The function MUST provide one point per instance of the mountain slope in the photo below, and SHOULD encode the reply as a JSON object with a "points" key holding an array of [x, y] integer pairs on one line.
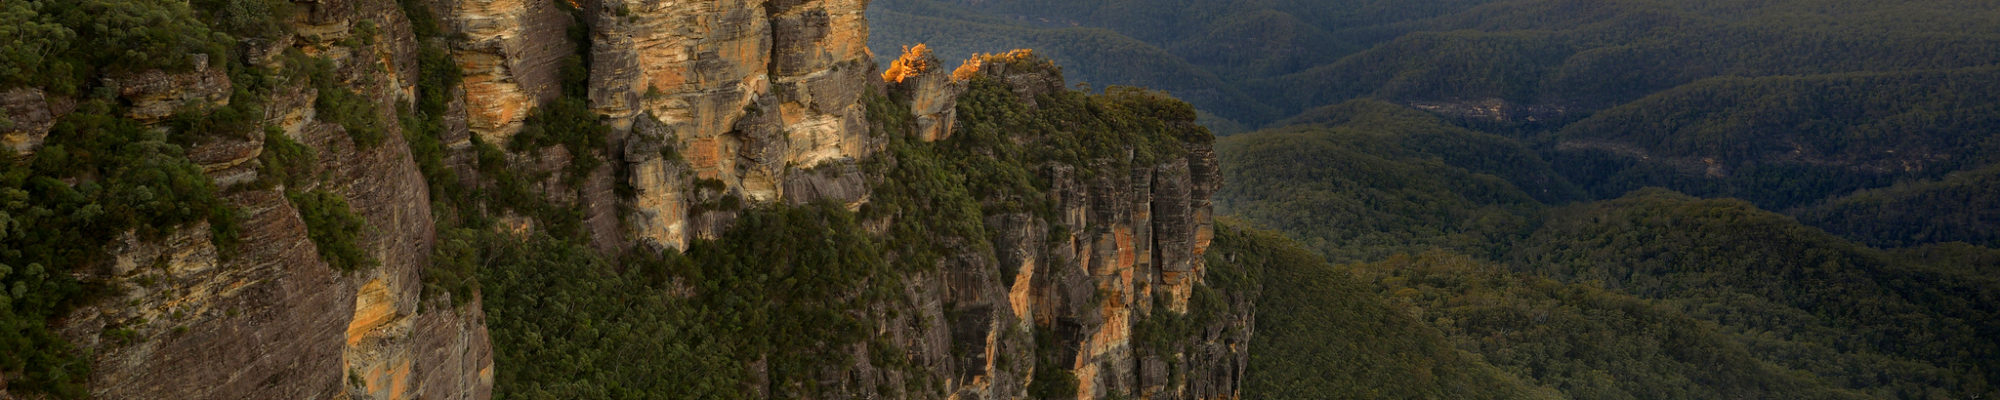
{"points": [[1781, 306], [1960, 207], [1376, 179], [1848, 311], [1582, 340], [1787, 141], [1323, 335]]}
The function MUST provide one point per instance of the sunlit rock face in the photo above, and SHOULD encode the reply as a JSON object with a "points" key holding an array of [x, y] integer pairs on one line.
{"points": [[932, 93], [742, 92], [511, 52]]}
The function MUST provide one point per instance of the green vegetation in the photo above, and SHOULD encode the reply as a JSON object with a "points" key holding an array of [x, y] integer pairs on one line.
{"points": [[1960, 207], [1000, 157], [356, 114], [62, 45], [1321, 334], [98, 177], [333, 228], [1533, 277], [567, 122], [1076, 128], [1807, 299], [284, 161], [1375, 179], [1583, 340], [1782, 142], [615, 337], [777, 288], [101, 176], [795, 288], [247, 19], [1652, 295], [1052, 379]]}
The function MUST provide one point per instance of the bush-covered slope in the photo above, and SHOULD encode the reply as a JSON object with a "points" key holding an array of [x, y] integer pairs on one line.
{"points": [[1372, 179], [1962, 207], [1783, 142], [1586, 341], [1321, 334], [1604, 299], [1849, 313]]}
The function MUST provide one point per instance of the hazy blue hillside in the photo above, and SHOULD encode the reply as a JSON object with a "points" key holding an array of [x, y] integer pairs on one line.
{"points": [[1257, 62]]}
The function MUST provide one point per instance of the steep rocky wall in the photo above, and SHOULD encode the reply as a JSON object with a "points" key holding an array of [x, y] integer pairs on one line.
{"points": [[744, 92], [268, 318], [511, 52], [1139, 244], [1124, 251]]}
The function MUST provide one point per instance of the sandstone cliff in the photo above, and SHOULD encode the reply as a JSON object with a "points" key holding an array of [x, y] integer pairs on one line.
{"points": [[1102, 278], [745, 92], [269, 318], [712, 107]]}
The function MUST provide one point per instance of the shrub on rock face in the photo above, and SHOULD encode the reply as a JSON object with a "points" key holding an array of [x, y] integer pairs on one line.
{"points": [[333, 228]]}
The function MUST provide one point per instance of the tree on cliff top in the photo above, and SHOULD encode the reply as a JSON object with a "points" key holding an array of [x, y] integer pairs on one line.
{"points": [[915, 60]]}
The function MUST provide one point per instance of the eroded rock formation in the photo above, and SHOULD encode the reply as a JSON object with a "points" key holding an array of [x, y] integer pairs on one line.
{"points": [[744, 92], [757, 102]]}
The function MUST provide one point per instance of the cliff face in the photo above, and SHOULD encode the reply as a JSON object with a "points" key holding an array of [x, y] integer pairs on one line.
{"points": [[1103, 282], [747, 93], [1134, 252], [511, 52], [758, 102], [269, 318]]}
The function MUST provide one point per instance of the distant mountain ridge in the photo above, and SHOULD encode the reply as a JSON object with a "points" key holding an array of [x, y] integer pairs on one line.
{"points": [[1289, 56]]}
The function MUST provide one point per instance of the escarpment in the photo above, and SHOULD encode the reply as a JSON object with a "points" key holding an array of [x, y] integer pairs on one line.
{"points": [[374, 161], [261, 313]]}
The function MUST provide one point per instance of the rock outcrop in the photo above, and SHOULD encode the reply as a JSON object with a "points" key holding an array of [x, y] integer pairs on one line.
{"points": [[155, 95], [1136, 255], [713, 106], [932, 93], [29, 114], [744, 92], [1095, 282]]}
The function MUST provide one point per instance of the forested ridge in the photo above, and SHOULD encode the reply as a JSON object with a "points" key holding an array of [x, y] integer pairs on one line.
{"points": [[1290, 56], [1607, 298]]}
